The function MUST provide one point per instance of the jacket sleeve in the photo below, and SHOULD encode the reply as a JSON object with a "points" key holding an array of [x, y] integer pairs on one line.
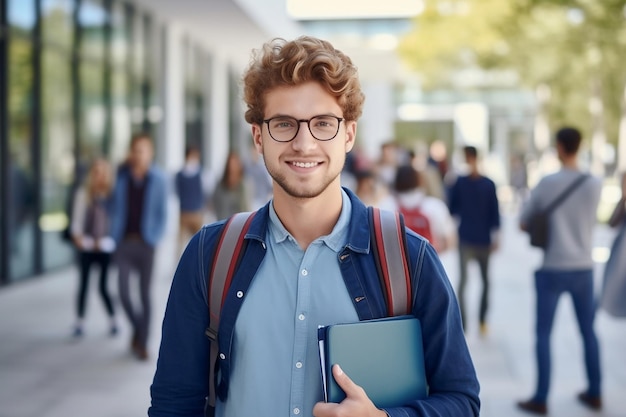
{"points": [[180, 383], [159, 205], [117, 208], [494, 207], [452, 382], [453, 203]]}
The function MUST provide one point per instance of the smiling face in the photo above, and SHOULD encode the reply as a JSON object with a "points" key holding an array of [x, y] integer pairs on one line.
{"points": [[304, 168]]}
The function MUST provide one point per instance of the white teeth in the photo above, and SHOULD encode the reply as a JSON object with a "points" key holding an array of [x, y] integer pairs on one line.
{"points": [[305, 164]]}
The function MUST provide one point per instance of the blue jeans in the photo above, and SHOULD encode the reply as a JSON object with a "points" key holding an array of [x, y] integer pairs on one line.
{"points": [[550, 285]]}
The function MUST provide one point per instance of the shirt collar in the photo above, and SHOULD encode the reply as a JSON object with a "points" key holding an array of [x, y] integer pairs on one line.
{"points": [[337, 238]]}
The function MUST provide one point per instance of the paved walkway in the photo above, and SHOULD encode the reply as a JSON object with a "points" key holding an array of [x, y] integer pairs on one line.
{"points": [[44, 373]]}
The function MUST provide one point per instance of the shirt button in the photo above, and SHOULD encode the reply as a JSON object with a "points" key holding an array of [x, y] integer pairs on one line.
{"points": [[301, 317], [305, 272], [222, 356], [298, 365], [296, 411], [239, 294]]}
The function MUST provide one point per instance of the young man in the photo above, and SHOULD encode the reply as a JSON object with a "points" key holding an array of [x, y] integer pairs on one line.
{"points": [[567, 266], [307, 263], [473, 200], [138, 222]]}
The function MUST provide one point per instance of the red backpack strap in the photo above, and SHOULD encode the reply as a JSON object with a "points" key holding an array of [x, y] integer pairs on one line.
{"points": [[392, 261], [225, 260]]}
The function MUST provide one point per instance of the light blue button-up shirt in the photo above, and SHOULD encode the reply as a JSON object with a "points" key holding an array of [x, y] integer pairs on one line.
{"points": [[275, 352]]}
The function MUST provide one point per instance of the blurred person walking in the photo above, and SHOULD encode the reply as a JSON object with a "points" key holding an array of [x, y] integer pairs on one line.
{"points": [[259, 179], [232, 193], [388, 161], [518, 181], [138, 224], [368, 189], [191, 189], [613, 295], [431, 180], [474, 203], [567, 266], [410, 199], [90, 234]]}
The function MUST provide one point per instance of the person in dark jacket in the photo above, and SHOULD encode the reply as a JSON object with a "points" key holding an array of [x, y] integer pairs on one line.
{"points": [[139, 216], [191, 191], [474, 203]]}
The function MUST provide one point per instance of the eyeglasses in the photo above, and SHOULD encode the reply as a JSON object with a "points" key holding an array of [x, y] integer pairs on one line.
{"points": [[286, 128]]}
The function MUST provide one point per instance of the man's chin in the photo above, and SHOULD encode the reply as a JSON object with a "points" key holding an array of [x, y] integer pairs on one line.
{"points": [[302, 193]]}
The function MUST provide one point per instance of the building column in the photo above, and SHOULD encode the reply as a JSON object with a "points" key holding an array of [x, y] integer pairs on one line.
{"points": [[217, 147], [376, 125], [171, 150]]}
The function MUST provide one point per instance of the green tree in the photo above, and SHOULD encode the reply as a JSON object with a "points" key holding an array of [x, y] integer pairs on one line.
{"points": [[572, 49]]}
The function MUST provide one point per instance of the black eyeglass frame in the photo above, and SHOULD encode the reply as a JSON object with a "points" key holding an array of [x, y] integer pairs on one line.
{"points": [[308, 123]]}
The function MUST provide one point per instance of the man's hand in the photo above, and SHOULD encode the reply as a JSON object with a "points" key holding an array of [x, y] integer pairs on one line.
{"points": [[356, 403]]}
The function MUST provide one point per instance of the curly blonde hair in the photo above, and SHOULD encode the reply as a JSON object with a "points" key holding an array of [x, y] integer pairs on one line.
{"points": [[281, 63]]}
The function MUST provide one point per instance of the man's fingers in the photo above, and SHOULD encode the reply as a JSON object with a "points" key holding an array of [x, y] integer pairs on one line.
{"points": [[347, 385]]}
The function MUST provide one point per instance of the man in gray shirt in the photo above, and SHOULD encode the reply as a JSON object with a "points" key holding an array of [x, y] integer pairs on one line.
{"points": [[567, 266]]}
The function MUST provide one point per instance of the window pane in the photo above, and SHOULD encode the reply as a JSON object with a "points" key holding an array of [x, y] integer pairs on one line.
{"points": [[119, 35], [121, 116], [21, 210], [57, 27], [21, 14], [57, 155], [92, 112], [92, 18], [155, 97], [139, 44]]}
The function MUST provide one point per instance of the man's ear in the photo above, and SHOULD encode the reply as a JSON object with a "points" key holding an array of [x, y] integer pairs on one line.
{"points": [[350, 135], [257, 137]]}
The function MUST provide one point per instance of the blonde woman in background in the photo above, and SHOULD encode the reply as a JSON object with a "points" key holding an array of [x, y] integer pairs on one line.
{"points": [[91, 235]]}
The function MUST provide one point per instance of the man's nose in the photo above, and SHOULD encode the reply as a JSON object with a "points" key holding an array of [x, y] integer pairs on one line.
{"points": [[304, 140]]}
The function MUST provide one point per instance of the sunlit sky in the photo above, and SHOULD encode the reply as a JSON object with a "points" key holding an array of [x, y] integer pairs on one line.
{"points": [[353, 9]]}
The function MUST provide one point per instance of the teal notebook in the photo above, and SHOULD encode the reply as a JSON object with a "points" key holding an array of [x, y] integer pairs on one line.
{"points": [[384, 356]]}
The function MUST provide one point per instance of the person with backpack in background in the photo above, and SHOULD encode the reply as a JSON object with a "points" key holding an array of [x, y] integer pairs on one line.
{"points": [[567, 267], [474, 203], [425, 215], [306, 261]]}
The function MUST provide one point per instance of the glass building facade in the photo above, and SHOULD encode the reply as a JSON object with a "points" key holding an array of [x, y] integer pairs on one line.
{"points": [[77, 78]]}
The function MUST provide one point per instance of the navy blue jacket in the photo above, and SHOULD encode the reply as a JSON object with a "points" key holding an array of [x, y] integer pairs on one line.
{"points": [[475, 202], [180, 383], [189, 191]]}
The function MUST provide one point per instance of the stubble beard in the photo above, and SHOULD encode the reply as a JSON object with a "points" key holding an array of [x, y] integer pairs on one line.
{"points": [[295, 190]]}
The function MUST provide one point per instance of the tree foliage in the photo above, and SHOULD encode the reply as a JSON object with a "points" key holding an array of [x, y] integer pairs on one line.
{"points": [[575, 47]]}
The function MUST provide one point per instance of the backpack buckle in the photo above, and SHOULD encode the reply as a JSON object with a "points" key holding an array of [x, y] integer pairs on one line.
{"points": [[211, 334]]}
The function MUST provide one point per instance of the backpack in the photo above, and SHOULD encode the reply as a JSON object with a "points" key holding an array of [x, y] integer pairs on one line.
{"points": [[416, 220], [390, 254]]}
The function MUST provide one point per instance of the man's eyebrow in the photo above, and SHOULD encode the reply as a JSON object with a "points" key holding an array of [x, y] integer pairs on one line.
{"points": [[294, 117]]}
